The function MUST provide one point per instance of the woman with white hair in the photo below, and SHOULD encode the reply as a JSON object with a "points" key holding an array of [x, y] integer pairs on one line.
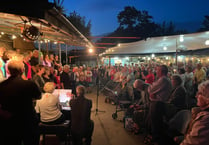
{"points": [[49, 107], [198, 131]]}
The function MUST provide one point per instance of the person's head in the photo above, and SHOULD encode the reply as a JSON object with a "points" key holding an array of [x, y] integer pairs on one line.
{"points": [[47, 71], [150, 71], [2, 50], [203, 95], [40, 68], [181, 70], [27, 56], [199, 66], [46, 57], [176, 80], [140, 85], [188, 69], [80, 91], [10, 54], [66, 68], [56, 57], [15, 67], [162, 70], [49, 87], [35, 53], [51, 56]]}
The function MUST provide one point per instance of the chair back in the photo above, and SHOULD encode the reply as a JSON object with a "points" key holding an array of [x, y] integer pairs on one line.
{"points": [[180, 121]]}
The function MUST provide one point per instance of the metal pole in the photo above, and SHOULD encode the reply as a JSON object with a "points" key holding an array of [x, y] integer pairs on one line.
{"points": [[109, 61], [66, 53], [176, 53], [39, 50], [59, 45]]}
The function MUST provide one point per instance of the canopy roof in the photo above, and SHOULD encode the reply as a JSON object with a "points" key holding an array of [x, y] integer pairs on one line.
{"points": [[53, 25], [162, 45]]}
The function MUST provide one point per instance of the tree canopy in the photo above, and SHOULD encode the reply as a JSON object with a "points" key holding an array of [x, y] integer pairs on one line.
{"points": [[136, 23], [80, 23]]}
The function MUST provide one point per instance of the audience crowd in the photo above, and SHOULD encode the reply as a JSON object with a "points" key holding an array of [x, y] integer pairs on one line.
{"points": [[157, 90]]}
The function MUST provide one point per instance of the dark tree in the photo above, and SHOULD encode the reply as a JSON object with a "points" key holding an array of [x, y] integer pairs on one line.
{"points": [[80, 23], [129, 18], [205, 24], [59, 6]]}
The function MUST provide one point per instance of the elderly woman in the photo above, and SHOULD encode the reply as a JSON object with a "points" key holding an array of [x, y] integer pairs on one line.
{"points": [[49, 106], [177, 99], [178, 94], [198, 131]]}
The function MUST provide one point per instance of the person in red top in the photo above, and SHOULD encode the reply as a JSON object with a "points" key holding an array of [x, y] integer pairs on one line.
{"points": [[112, 73], [150, 78]]}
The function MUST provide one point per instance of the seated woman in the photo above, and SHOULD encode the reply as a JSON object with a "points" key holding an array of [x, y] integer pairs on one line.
{"points": [[177, 99], [198, 131], [49, 107]]}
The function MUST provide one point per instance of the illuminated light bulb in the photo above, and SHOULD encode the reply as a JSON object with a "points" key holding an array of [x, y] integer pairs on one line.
{"points": [[153, 55], [14, 37], [119, 45], [181, 39], [164, 48], [207, 42], [2, 33], [90, 50]]}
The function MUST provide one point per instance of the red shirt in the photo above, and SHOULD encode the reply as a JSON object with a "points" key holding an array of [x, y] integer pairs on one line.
{"points": [[150, 78]]}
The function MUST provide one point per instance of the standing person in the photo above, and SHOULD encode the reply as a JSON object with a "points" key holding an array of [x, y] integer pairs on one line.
{"points": [[159, 93], [67, 79], [34, 61], [56, 62], [199, 76], [81, 124], [20, 123], [2, 67], [150, 77], [26, 61], [88, 79], [38, 78]]}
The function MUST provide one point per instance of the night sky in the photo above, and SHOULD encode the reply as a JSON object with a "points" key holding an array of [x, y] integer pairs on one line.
{"points": [[186, 14]]}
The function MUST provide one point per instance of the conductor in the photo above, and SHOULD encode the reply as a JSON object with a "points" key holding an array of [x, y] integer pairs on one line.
{"points": [[81, 125]]}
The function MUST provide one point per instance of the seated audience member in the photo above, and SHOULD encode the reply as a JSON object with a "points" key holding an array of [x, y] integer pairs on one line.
{"points": [[81, 124], [198, 131], [141, 87], [49, 107], [177, 99], [140, 109]]}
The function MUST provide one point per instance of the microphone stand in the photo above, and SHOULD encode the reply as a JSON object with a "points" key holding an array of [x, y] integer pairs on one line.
{"points": [[98, 86]]}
